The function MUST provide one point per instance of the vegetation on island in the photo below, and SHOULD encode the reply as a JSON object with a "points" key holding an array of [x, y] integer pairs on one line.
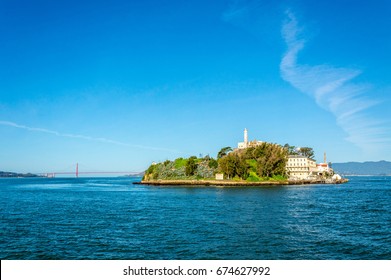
{"points": [[253, 164], [302, 151], [183, 168], [263, 162]]}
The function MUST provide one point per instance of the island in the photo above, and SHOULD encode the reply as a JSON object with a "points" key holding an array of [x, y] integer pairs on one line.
{"points": [[252, 163], [4, 174]]}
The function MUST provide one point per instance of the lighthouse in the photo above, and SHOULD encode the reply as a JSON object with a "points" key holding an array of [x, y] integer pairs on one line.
{"points": [[245, 138], [246, 144]]}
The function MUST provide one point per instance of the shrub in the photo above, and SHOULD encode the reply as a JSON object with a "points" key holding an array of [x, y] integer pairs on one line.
{"points": [[180, 162], [253, 177]]}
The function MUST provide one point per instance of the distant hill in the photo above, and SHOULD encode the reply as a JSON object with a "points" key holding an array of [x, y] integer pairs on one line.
{"points": [[17, 175], [140, 174], [363, 168]]}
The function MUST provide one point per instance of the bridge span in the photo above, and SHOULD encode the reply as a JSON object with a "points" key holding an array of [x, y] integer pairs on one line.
{"points": [[77, 173]]}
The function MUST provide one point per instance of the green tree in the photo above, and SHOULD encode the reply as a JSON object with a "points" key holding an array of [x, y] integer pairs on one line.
{"points": [[234, 165], [223, 152], [242, 168], [292, 150], [212, 163], [228, 164], [307, 152], [268, 160], [191, 166]]}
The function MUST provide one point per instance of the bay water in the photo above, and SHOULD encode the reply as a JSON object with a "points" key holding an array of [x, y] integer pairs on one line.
{"points": [[111, 218]]}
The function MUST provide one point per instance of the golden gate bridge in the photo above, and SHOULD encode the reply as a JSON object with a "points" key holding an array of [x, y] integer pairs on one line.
{"points": [[77, 173]]}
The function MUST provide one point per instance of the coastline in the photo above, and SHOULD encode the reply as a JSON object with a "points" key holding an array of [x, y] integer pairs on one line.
{"points": [[229, 183]]}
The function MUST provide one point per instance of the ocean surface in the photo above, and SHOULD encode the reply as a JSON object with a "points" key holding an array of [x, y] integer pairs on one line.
{"points": [[110, 218]]}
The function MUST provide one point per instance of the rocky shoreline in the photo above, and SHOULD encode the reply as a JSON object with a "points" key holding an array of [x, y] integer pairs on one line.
{"points": [[230, 183]]}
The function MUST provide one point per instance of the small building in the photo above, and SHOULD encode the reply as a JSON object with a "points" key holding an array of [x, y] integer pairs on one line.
{"points": [[323, 168], [219, 176]]}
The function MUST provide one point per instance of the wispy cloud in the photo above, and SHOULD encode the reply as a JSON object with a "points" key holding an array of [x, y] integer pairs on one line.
{"points": [[83, 137], [258, 17], [333, 89]]}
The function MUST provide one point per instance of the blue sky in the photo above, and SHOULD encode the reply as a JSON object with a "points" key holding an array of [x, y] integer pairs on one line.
{"points": [[115, 85]]}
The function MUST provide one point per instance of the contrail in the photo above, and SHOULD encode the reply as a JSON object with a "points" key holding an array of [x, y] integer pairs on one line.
{"points": [[83, 137], [333, 90]]}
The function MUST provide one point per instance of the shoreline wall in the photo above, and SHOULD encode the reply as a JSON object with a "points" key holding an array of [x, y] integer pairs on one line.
{"points": [[235, 183]]}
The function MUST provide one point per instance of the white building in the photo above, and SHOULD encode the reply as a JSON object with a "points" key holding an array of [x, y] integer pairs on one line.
{"points": [[301, 167], [323, 168], [246, 144], [297, 166]]}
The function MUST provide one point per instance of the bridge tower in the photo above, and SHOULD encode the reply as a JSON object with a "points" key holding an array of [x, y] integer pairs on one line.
{"points": [[77, 170]]}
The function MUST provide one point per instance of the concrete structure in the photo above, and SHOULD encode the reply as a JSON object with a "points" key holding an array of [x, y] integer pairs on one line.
{"points": [[246, 144], [301, 167]]}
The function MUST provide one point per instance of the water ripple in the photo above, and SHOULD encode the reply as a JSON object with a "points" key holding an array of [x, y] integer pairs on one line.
{"points": [[109, 218]]}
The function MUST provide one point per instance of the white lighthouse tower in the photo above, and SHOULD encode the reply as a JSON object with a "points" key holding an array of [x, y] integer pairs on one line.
{"points": [[245, 138], [245, 144]]}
